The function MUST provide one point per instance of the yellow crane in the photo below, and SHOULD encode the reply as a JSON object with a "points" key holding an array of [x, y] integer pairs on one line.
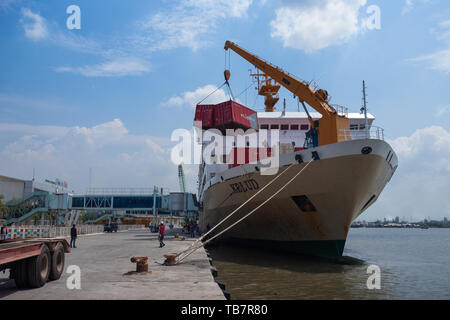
{"points": [[331, 128]]}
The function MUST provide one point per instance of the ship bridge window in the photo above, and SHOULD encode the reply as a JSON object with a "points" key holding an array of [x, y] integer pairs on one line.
{"points": [[294, 126], [304, 127], [353, 127], [304, 203], [284, 127], [274, 126], [362, 126], [264, 126]]}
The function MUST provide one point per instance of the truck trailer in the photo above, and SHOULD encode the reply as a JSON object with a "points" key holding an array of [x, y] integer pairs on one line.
{"points": [[33, 262]]}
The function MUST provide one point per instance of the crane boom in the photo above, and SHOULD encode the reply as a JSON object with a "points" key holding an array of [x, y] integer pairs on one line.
{"points": [[331, 122]]}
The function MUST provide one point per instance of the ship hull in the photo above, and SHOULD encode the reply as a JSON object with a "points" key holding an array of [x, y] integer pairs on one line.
{"points": [[313, 213]]}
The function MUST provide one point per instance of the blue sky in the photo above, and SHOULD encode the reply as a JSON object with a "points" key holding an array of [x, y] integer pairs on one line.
{"points": [[108, 96]]}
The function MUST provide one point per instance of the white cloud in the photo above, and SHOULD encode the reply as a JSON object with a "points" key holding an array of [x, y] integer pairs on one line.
{"points": [[115, 68], [316, 25], [441, 111], [220, 8], [45, 131], [16, 103], [117, 157], [443, 30], [188, 23], [116, 62], [421, 184], [34, 25], [6, 4], [191, 98], [36, 28], [410, 4], [407, 7], [439, 61], [74, 42]]}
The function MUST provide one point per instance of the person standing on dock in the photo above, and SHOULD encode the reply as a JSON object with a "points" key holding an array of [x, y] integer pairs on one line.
{"points": [[73, 236], [192, 230], [161, 234], [4, 232], [197, 229]]}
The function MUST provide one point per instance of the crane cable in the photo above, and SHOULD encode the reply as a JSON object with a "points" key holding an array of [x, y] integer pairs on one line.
{"points": [[230, 91], [213, 92], [229, 71], [242, 205], [193, 249]]}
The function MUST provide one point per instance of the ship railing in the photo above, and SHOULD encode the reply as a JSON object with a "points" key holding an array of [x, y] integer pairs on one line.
{"points": [[341, 110], [372, 133]]}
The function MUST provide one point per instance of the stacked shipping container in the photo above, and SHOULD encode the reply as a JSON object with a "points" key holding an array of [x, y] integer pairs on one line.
{"points": [[225, 115]]}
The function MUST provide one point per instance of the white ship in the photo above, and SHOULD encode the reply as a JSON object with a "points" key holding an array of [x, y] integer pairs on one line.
{"points": [[313, 212]]}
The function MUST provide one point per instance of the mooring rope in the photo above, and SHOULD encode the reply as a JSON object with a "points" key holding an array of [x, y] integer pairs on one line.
{"points": [[242, 205], [247, 215]]}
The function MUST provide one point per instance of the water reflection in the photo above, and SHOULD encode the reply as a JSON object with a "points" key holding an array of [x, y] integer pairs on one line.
{"points": [[251, 273]]}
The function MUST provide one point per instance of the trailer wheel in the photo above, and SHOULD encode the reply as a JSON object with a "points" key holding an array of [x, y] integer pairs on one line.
{"points": [[20, 274], [39, 268], [57, 260]]}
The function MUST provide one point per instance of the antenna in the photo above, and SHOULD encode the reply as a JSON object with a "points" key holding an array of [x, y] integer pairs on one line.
{"points": [[284, 107], [364, 109]]}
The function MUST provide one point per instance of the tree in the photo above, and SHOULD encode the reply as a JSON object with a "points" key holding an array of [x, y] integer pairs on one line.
{"points": [[2, 207]]}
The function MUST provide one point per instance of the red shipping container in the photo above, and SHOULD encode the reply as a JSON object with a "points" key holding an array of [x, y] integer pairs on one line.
{"points": [[225, 115], [235, 115], [205, 113], [198, 113], [218, 114], [208, 116]]}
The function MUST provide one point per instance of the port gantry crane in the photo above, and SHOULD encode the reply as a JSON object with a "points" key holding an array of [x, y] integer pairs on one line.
{"points": [[329, 129], [181, 178]]}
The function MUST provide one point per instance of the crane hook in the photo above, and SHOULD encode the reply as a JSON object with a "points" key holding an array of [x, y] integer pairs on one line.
{"points": [[227, 75]]}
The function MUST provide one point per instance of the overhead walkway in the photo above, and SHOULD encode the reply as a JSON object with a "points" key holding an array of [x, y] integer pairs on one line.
{"points": [[67, 205], [119, 203]]}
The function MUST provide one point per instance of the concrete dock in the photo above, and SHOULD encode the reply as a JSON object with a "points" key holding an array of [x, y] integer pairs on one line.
{"points": [[104, 261]]}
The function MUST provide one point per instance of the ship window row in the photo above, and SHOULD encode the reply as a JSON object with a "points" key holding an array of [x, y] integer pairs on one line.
{"points": [[356, 126], [304, 127]]}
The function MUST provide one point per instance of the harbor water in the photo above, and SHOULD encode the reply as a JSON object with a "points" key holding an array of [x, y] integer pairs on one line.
{"points": [[413, 264]]}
